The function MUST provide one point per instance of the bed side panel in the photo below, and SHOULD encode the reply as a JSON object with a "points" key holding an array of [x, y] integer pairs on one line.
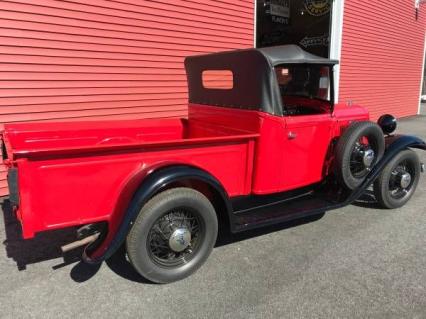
{"points": [[74, 191]]}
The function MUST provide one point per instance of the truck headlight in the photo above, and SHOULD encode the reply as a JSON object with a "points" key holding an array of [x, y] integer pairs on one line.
{"points": [[388, 123]]}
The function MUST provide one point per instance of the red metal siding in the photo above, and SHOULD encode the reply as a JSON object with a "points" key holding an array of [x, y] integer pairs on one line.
{"points": [[74, 59], [382, 54]]}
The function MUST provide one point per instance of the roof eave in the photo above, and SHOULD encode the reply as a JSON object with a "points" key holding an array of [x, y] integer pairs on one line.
{"points": [[327, 62]]}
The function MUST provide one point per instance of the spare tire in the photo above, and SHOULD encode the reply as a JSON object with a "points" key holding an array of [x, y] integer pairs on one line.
{"points": [[359, 148]]}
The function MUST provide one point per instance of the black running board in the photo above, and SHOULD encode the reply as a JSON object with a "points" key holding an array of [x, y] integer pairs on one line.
{"points": [[302, 206]]}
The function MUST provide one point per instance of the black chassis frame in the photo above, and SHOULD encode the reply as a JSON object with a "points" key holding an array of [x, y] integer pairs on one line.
{"points": [[249, 212]]}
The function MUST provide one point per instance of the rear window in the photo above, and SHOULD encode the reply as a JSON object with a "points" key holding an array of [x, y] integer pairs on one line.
{"points": [[218, 79]]}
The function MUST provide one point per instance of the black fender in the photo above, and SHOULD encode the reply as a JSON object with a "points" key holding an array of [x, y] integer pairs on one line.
{"points": [[150, 185], [394, 145]]}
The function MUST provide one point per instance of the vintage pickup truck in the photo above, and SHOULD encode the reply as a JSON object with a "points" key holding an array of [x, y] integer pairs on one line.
{"points": [[265, 145]]}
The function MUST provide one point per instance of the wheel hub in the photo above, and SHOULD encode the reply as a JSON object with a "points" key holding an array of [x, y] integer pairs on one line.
{"points": [[368, 157], [404, 179], [180, 239]]}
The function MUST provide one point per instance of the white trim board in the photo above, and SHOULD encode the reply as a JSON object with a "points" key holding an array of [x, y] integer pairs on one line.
{"points": [[336, 41], [422, 76]]}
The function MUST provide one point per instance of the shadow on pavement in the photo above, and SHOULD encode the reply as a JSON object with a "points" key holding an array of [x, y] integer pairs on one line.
{"points": [[82, 271], [225, 237], [120, 265], [367, 200], [46, 245]]}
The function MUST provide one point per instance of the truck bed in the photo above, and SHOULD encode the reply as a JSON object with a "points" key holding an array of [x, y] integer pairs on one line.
{"points": [[67, 174], [32, 139]]}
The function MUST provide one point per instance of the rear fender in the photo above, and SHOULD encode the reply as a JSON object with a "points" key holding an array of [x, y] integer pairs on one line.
{"points": [[150, 184]]}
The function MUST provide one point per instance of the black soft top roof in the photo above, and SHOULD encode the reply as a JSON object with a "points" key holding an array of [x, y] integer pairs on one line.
{"points": [[287, 54], [255, 85]]}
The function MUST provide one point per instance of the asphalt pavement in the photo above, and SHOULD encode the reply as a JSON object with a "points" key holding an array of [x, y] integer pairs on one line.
{"points": [[356, 262]]}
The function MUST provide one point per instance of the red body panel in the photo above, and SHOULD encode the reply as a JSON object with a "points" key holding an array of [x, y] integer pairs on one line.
{"points": [[78, 173]]}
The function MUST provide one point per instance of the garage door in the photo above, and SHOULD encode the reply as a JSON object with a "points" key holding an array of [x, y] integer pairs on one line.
{"points": [[382, 56], [70, 60]]}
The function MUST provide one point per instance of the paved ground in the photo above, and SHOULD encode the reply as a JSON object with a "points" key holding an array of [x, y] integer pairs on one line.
{"points": [[356, 262]]}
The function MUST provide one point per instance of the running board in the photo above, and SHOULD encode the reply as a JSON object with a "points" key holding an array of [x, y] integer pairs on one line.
{"points": [[313, 203]]}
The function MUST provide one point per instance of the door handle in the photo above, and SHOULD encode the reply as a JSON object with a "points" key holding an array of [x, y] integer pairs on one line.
{"points": [[292, 135]]}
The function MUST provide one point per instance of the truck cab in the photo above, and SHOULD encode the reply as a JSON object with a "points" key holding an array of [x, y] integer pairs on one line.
{"points": [[285, 94]]}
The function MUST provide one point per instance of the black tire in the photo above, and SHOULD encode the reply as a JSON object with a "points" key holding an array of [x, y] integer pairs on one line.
{"points": [[159, 218], [350, 173], [385, 187]]}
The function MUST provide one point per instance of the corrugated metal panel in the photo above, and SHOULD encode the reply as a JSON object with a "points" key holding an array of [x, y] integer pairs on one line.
{"points": [[382, 54], [108, 59]]}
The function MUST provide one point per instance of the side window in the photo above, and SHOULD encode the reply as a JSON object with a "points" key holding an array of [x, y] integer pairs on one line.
{"points": [[218, 79], [324, 83]]}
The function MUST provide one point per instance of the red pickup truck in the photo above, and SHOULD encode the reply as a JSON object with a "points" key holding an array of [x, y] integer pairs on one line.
{"points": [[263, 143]]}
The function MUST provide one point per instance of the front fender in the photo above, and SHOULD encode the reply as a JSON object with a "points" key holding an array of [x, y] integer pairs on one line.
{"points": [[394, 145], [150, 186], [399, 142]]}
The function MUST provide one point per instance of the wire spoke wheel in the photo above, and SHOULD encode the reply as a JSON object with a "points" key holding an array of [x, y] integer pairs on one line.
{"points": [[362, 158], [398, 180], [401, 181], [174, 237]]}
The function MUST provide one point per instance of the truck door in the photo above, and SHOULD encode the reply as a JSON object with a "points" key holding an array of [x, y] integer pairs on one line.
{"points": [[307, 140], [306, 92]]}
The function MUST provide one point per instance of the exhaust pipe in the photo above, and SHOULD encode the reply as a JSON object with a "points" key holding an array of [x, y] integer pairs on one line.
{"points": [[82, 242]]}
